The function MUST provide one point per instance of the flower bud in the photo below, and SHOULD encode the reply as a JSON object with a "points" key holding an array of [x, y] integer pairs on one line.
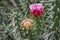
{"points": [[26, 23]]}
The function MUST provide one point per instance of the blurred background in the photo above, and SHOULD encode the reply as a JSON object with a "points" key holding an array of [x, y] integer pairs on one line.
{"points": [[12, 12]]}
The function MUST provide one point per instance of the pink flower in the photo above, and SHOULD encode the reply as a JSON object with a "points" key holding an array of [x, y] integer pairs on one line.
{"points": [[36, 9]]}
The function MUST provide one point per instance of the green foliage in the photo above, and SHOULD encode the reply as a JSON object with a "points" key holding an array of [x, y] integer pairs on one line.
{"points": [[46, 27]]}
